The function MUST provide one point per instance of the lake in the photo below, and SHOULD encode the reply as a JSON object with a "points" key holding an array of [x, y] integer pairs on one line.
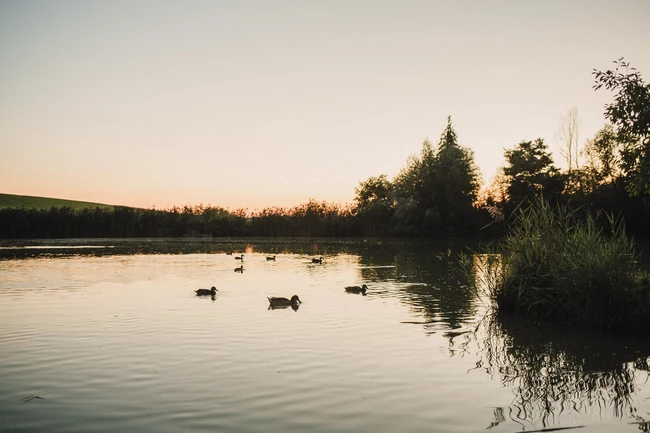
{"points": [[103, 335]]}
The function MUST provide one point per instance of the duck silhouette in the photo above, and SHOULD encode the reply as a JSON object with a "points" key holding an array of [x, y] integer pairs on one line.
{"points": [[270, 258], [240, 269], [357, 289], [284, 302], [241, 257], [205, 292], [320, 260]]}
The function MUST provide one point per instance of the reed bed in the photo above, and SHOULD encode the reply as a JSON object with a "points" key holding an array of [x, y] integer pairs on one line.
{"points": [[555, 266]]}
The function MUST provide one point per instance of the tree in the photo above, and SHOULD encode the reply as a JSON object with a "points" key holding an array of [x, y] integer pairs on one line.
{"points": [[413, 190], [458, 181], [630, 115], [436, 192], [531, 172], [603, 153], [374, 204], [567, 137]]}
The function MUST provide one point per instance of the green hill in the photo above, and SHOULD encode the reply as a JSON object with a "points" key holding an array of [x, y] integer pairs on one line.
{"points": [[30, 202]]}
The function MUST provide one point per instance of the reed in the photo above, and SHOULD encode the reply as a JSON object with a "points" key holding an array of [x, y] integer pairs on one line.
{"points": [[553, 265]]}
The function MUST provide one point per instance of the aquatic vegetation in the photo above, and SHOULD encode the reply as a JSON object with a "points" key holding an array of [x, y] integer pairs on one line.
{"points": [[553, 265]]}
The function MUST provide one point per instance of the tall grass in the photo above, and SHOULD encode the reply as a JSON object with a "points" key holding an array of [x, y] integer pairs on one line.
{"points": [[553, 265]]}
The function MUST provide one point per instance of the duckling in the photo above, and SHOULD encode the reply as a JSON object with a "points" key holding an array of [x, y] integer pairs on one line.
{"points": [[241, 257], [284, 302], [357, 289], [270, 258], [320, 260], [204, 292], [240, 269]]}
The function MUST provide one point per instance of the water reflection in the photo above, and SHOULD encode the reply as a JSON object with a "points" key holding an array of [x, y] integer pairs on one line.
{"points": [[425, 278], [294, 307], [553, 373], [552, 370]]}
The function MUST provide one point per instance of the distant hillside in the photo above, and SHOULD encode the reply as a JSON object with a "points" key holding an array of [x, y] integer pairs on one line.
{"points": [[29, 202]]}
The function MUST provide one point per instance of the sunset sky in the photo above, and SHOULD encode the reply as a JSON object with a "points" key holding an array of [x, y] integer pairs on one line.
{"points": [[249, 104]]}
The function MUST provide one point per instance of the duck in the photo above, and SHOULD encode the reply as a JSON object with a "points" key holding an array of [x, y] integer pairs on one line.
{"points": [[229, 253], [204, 292], [284, 302], [320, 260], [240, 269], [357, 289], [270, 258], [241, 257]]}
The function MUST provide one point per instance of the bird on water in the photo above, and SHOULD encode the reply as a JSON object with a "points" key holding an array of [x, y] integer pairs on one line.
{"points": [[284, 302], [357, 289], [205, 292]]}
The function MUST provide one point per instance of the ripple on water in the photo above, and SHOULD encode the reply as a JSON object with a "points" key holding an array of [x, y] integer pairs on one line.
{"points": [[123, 343]]}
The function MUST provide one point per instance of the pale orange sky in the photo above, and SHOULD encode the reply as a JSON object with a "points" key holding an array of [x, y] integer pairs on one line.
{"points": [[270, 103]]}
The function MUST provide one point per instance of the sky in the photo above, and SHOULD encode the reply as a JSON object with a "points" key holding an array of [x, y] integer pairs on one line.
{"points": [[253, 104]]}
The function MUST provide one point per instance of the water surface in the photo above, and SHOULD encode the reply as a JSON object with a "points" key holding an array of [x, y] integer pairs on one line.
{"points": [[110, 335]]}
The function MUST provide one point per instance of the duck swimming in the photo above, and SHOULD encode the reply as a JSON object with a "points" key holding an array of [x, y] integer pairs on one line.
{"points": [[317, 260], [204, 292], [239, 257], [284, 302], [270, 258], [357, 289], [240, 269]]}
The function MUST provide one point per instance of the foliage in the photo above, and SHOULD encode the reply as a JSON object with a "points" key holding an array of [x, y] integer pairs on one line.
{"points": [[630, 115], [310, 219], [374, 204], [458, 181], [603, 153], [554, 266], [531, 172], [435, 193]]}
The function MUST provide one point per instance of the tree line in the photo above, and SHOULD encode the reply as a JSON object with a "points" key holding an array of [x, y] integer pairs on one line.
{"points": [[310, 219], [436, 193]]}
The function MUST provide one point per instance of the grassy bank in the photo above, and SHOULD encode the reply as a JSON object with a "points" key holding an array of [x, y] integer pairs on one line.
{"points": [[8, 201], [552, 266]]}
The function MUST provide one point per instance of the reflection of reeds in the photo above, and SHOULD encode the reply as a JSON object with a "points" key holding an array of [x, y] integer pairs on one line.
{"points": [[548, 380]]}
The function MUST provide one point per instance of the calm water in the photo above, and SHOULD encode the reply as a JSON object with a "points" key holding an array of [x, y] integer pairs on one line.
{"points": [[108, 335]]}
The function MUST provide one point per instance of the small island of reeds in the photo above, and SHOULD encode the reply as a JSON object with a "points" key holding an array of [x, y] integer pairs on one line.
{"points": [[553, 265]]}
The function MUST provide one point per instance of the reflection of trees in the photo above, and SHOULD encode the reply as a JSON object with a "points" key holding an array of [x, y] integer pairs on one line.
{"points": [[553, 370], [125, 246], [424, 277]]}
